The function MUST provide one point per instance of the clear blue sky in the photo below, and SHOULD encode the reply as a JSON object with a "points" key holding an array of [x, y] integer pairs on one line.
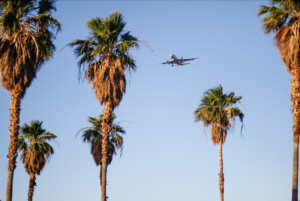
{"points": [[167, 157]]}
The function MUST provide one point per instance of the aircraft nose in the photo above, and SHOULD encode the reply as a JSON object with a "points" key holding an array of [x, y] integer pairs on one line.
{"points": [[171, 55]]}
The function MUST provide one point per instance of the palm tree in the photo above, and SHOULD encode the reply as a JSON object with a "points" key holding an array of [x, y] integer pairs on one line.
{"points": [[216, 110], [36, 150], [104, 57], [93, 136], [27, 30], [282, 17]]}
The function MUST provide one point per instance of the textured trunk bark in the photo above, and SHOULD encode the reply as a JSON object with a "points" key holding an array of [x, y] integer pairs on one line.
{"points": [[295, 171], [295, 97], [15, 107], [221, 175], [105, 134], [9, 189], [31, 186]]}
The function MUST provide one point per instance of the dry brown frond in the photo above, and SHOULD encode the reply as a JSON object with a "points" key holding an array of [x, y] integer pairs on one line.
{"points": [[109, 81], [90, 73], [218, 134], [287, 40], [17, 61], [33, 162], [96, 151]]}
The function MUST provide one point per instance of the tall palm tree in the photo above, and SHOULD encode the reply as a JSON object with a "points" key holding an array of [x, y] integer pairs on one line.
{"points": [[216, 110], [104, 57], [36, 150], [27, 29], [282, 17], [93, 136]]}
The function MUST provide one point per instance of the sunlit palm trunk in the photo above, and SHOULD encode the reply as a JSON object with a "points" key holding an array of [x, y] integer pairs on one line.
{"points": [[295, 171], [31, 186], [221, 175], [295, 96], [15, 104], [105, 134]]}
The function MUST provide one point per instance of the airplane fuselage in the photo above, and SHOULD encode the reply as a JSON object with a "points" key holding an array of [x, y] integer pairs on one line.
{"points": [[176, 60]]}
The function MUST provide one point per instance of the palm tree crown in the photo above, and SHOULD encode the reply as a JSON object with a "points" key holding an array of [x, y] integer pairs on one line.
{"points": [[34, 142], [105, 55], [215, 109], [27, 29], [282, 18], [93, 136]]}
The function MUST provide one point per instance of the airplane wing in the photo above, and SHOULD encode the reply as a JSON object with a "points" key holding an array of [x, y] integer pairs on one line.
{"points": [[190, 59], [167, 62]]}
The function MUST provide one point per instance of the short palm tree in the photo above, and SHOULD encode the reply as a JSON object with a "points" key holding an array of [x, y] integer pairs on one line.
{"points": [[216, 110], [92, 135], [282, 18], [36, 150], [27, 29], [104, 57]]}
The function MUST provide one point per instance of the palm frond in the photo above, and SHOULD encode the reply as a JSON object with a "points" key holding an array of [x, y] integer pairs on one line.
{"points": [[276, 18], [22, 145]]}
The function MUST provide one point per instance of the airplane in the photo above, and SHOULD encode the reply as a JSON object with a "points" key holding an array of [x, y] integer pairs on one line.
{"points": [[178, 62]]}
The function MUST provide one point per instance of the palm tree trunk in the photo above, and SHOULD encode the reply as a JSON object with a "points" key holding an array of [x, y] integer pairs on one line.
{"points": [[15, 107], [31, 186], [295, 96], [105, 134], [221, 175], [295, 171]]}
